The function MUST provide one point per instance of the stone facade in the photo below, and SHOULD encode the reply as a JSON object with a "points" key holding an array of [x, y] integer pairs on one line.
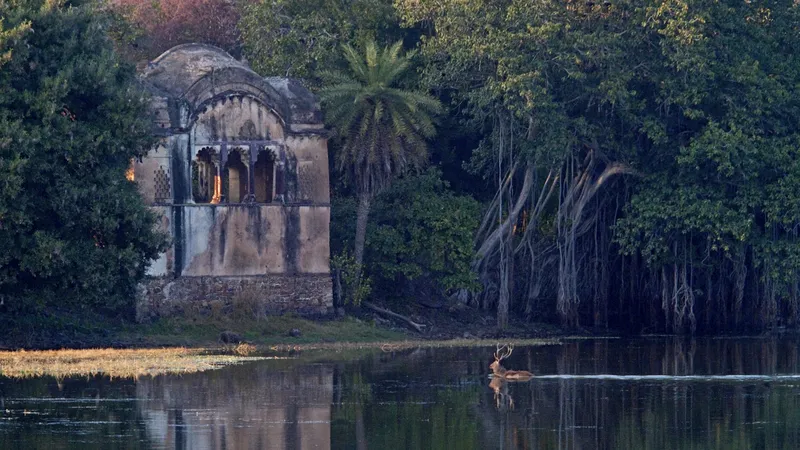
{"points": [[267, 294], [240, 179]]}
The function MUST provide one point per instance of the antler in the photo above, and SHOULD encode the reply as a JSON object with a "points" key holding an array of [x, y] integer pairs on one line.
{"points": [[503, 352]]}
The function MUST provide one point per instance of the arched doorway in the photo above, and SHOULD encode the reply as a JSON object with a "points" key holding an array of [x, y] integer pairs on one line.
{"points": [[237, 177], [205, 176], [264, 176]]}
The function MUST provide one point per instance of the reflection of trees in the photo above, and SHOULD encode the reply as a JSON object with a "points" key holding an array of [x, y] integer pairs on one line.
{"points": [[755, 418], [402, 403], [607, 414], [98, 410], [405, 404], [441, 399]]}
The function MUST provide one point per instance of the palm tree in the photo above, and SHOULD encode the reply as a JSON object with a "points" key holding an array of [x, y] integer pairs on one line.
{"points": [[384, 128]]}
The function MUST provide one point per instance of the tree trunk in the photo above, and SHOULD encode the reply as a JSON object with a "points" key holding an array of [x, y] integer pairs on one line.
{"points": [[417, 326], [364, 201]]}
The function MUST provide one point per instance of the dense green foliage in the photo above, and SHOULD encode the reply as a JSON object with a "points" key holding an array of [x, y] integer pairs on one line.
{"points": [[74, 233], [421, 229], [302, 38], [695, 101], [419, 237]]}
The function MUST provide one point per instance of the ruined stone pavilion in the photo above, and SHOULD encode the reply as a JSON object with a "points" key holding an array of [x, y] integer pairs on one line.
{"points": [[240, 179]]}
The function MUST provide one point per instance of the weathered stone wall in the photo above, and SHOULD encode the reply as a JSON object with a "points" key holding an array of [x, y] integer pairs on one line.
{"points": [[261, 295], [276, 250], [165, 264], [239, 240], [311, 155], [235, 118]]}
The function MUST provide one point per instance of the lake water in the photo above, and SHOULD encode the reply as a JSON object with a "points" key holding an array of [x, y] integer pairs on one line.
{"points": [[660, 393]]}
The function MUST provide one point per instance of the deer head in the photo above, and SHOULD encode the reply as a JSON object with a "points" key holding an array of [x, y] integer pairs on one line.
{"points": [[503, 352]]}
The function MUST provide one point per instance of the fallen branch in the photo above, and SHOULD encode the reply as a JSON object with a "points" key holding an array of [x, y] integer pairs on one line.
{"points": [[414, 325]]}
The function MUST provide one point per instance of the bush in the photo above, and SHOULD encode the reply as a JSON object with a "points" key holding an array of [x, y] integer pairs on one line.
{"points": [[74, 233], [419, 232], [351, 286]]}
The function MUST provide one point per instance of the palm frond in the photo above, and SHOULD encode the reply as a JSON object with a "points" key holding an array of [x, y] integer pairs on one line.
{"points": [[385, 129], [356, 63]]}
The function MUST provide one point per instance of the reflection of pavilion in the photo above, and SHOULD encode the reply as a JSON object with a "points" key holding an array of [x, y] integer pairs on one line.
{"points": [[240, 408]]}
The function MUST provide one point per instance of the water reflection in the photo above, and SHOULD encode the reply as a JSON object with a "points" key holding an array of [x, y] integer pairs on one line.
{"points": [[503, 401], [604, 394], [254, 406]]}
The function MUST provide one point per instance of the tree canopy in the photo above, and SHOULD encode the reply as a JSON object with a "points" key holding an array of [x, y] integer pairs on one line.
{"points": [[74, 233], [696, 101], [144, 29], [303, 38]]}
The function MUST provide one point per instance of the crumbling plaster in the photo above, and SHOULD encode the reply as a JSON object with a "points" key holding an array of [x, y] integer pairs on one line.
{"points": [[202, 97]]}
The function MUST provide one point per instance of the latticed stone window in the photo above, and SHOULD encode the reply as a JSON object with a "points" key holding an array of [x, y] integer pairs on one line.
{"points": [[305, 181], [161, 185]]}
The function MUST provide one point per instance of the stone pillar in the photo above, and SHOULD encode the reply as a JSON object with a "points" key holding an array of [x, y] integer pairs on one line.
{"points": [[223, 176]]}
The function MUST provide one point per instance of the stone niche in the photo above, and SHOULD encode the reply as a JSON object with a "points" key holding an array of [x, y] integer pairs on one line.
{"points": [[240, 180]]}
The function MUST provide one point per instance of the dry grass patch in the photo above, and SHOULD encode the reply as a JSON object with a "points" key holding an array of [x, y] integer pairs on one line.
{"points": [[116, 363]]}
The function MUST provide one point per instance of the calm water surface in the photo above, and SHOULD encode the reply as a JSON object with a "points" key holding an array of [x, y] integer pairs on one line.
{"points": [[595, 394]]}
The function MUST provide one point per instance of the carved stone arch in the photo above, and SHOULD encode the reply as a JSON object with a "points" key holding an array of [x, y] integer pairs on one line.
{"points": [[266, 170], [206, 175], [243, 151], [233, 81], [236, 118], [237, 175]]}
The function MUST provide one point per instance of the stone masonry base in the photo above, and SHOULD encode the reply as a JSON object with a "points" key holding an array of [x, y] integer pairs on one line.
{"points": [[249, 295]]}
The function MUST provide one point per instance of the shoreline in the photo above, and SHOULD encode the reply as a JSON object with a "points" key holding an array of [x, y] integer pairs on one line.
{"points": [[359, 329], [135, 363]]}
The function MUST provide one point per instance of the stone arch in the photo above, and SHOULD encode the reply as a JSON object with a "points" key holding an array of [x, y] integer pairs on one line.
{"points": [[237, 175], [264, 170], [236, 118], [235, 81], [206, 176]]}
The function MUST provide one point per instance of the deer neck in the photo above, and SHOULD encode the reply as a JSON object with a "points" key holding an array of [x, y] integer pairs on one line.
{"points": [[500, 370]]}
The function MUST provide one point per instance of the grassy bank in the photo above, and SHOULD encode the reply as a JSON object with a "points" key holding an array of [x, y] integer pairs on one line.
{"points": [[194, 344], [268, 331], [70, 330], [134, 363]]}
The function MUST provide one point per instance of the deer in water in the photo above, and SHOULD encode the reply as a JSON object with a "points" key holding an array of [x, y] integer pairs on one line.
{"points": [[499, 371]]}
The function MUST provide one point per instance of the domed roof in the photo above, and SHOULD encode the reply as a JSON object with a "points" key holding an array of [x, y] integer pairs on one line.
{"points": [[180, 67], [197, 74]]}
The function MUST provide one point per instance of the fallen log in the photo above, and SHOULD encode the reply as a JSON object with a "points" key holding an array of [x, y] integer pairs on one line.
{"points": [[417, 326]]}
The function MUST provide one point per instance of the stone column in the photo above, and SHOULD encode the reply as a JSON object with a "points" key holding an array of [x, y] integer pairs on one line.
{"points": [[223, 176]]}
